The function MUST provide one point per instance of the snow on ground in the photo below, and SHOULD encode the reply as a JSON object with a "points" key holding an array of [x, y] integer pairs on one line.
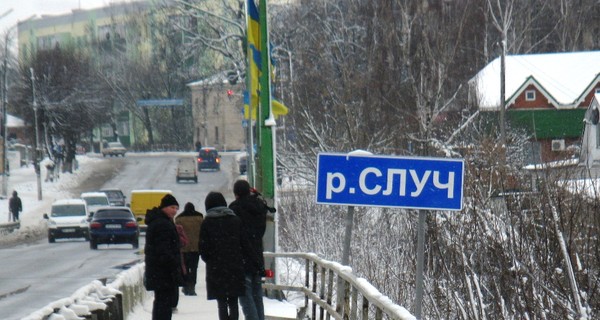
{"points": [[24, 181]]}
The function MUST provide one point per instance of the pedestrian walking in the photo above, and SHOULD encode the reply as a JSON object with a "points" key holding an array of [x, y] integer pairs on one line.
{"points": [[190, 220], [222, 247], [253, 212], [50, 171], [163, 258], [15, 206]]}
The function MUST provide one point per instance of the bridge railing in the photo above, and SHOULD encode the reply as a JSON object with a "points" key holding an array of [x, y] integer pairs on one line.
{"points": [[331, 290]]}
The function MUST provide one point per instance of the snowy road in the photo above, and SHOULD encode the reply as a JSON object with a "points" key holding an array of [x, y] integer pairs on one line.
{"points": [[33, 275]]}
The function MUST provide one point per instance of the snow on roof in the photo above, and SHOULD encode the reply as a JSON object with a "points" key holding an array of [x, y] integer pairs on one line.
{"points": [[14, 122], [565, 76]]}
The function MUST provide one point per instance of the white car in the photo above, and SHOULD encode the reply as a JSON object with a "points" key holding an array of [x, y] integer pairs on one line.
{"points": [[114, 149], [95, 200], [68, 219]]}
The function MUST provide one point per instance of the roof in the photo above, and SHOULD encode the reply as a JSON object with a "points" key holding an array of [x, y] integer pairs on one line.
{"points": [[68, 201], [14, 122], [93, 194], [565, 77]]}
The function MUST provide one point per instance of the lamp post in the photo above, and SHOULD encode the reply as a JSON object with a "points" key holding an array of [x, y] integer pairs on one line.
{"points": [[36, 160], [4, 120]]}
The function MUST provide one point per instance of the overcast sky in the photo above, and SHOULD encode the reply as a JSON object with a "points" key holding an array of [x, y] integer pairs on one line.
{"points": [[23, 9]]}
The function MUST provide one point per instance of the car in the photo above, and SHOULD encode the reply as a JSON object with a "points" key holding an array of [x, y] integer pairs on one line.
{"points": [[115, 196], [143, 200], [114, 225], [209, 158], [186, 170], [95, 200], [68, 218], [114, 149]]}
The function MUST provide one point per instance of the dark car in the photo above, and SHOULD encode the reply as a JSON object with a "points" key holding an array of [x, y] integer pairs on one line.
{"points": [[115, 196], [209, 158], [114, 225]]}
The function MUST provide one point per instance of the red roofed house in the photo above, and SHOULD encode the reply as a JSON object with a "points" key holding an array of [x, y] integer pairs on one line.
{"points": [[546, 94]]}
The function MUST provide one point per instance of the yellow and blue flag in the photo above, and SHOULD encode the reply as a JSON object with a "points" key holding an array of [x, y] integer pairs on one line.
{"points": [[251, 98]]}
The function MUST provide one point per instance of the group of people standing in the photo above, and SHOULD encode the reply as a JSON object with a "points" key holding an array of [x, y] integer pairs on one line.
{"points": [[227, 238]]}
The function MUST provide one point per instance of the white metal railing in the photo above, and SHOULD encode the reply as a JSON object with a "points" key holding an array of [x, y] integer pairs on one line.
{"points": [[334, 292]]}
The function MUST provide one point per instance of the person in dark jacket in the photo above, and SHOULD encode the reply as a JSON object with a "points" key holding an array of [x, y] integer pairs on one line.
{"points": [[222, 248], [162, 257], [190, 220], [253, 213], [15, 206]]}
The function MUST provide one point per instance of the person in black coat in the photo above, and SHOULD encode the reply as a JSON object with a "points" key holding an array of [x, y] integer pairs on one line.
{"points": [[164, 274], [222, 247], [15, 206], [253, 213]]}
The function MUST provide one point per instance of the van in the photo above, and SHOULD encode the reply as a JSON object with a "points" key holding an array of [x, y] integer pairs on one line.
{"points": [[186, 170], [143, 200], [68, 218], [95, 200]]}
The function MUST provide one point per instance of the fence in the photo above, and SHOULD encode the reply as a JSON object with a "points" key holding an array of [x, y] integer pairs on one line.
{"points": [[98, 300], [333, 291]]}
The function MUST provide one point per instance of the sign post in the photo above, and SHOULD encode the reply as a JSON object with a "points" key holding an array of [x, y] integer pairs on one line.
{"points": [[398, 182]]}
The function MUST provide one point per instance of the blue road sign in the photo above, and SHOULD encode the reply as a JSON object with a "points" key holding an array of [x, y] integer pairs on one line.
{"points": [[160, 103], [385, 181]]}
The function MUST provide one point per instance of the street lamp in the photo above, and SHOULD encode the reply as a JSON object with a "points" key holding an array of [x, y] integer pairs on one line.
{"points": [[36, 160]]}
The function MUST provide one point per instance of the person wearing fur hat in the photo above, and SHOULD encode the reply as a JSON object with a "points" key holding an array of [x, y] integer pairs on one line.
{"points": [[222, 246], [163, 259], [190, 220]]}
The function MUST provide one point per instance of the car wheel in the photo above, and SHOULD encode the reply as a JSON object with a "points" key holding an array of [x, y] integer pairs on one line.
{"points": [[51, 239], [93, 244], [135, 243], [195, 179], [104, 155]]}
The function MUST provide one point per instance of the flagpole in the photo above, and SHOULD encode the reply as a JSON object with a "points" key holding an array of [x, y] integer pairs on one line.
{"points": [[250, 165], [266, 152]]}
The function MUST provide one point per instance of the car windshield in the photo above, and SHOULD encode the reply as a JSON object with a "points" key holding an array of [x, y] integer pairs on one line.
{"points": [[115, 145], [114, 194], [113, 214], [208, 154], [68, 210], [96, 201]]}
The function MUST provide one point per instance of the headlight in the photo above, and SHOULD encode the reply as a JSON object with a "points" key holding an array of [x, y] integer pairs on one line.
{"points": [[51, 223], [83, 223]]}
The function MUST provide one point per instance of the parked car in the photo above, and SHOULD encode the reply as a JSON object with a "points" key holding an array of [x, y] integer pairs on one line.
{"points": [[115, 196], [186, 170], [209, 158], [95, 200], [68, 218], [114, 225], [114, 149]]}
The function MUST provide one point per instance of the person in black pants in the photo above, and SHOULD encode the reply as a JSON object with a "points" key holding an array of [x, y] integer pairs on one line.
{"points": [[15, 206], [164, 274]]}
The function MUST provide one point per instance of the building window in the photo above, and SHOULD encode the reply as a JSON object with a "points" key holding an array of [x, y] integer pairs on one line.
{"points": [[597, 90], [530, 95]]}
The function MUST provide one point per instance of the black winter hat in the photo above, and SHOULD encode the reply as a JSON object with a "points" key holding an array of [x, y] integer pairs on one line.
{"points": [[189, 207], [241, 188], [168, 200], [214, 199]]}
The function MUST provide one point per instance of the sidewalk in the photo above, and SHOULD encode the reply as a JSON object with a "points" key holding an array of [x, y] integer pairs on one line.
{"points": [[198, 308]]}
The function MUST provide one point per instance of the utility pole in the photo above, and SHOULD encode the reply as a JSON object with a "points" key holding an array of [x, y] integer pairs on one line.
{"points": [[4, 121], [502, 94], [36, 159]]}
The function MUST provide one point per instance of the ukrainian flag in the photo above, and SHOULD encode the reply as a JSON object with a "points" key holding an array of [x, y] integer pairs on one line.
{"points": [[251, 101]]}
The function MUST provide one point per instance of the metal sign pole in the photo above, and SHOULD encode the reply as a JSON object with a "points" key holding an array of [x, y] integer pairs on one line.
{"points": [[420, 263]]}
